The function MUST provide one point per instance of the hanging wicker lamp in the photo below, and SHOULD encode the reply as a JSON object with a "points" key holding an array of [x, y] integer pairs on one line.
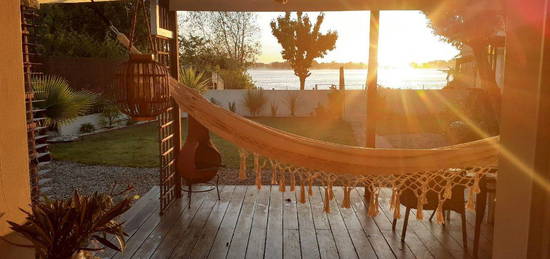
{"points": [[141, 87]]}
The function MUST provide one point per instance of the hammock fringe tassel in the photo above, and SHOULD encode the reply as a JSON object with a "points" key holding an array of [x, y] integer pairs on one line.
{"points": [[423, 183]]}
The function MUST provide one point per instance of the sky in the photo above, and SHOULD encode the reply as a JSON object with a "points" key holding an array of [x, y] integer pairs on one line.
{"points": [[404, 38]]}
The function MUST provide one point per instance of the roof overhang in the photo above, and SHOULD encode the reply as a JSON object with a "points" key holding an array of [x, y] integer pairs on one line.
{"points": [[300, 5], [71, 1]]}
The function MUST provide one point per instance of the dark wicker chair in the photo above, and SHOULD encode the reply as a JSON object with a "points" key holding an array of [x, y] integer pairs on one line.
{"points": [[456, 203]]}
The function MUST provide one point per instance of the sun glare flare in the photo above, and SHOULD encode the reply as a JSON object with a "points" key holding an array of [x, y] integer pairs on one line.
{"points": [[404, 38]]}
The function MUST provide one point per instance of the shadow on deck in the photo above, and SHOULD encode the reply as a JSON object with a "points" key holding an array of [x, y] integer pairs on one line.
{"points": [[267, 223]]}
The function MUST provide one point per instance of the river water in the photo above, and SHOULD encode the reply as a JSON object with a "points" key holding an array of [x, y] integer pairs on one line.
{"points": [[407, 78]]}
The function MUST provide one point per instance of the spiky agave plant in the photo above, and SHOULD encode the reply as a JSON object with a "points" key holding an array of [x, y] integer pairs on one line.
{"points": [[63, 228], [254, 100], [62, 103], [193, 79]]}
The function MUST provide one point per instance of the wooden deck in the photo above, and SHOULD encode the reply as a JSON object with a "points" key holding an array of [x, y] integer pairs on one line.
{"points": [[267, 223]]}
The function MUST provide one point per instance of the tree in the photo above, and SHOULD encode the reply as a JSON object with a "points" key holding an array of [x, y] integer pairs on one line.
{"points": [[471, 23], [475, 24], [76, 30], [302, 42], [233, 35]]}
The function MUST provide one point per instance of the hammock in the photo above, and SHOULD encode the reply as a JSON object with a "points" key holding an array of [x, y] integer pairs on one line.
{"points": [[292, 158], [307, 160]]}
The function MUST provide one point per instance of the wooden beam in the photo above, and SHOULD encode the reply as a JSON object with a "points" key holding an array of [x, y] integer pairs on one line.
{"points": [[523, 186], [71, 1], [300, 5], [372, 79]]}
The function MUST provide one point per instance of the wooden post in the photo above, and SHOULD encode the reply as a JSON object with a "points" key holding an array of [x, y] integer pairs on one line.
{"points": [[372, 79], [522, 216]]}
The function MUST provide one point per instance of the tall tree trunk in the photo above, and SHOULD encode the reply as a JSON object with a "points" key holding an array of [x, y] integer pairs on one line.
{"points": [[302, 82]]}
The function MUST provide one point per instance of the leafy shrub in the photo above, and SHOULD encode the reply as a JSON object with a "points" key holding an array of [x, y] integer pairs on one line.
{"points": [[62, 103], [236, 79], [232, 106], [254, 100], [87, 128], [110, 114], [292, 101], [274, 109]]}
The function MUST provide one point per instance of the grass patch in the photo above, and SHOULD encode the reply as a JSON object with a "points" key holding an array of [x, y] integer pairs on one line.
{"points": [[138, 146]]}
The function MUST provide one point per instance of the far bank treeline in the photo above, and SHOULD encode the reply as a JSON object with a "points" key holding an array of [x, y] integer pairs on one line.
{"points": [[435, 64]]}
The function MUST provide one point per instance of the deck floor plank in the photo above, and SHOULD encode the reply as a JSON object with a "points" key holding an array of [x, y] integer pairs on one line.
{"points": [[210, 231], [256, 242], [239, 241], [291, 235], [172, 219], [360, 241], [308, 239], [207, 215], [227, 227], [378, 241], [325, 238], [274, 240], [266, 223], [177, 230], [344, 244]]}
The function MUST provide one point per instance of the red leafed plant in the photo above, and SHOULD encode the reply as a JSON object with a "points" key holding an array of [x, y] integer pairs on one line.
{"points": [[63, 228]]}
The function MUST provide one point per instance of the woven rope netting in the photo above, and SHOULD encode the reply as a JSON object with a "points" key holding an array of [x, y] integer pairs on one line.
{"points": [[300, 162]]}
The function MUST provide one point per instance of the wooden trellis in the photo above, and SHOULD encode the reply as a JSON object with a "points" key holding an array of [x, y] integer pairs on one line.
{"points": [[170, 120], [39, 155]]}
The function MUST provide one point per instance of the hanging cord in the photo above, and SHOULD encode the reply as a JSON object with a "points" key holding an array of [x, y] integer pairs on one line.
{"points": [[121, 37], [141, 3]]}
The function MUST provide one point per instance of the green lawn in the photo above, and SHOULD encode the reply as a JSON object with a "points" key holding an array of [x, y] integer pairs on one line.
{"points": [[138, 146]]}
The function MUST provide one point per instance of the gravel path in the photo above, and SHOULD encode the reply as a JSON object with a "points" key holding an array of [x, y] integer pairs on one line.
{"points": [[67, 176]]}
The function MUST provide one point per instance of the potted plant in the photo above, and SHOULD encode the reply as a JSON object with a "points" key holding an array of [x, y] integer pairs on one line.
{"points": [[74, 227]]}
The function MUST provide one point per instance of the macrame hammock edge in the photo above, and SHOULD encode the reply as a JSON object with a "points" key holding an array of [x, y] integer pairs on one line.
{"points": [[297, 160]]}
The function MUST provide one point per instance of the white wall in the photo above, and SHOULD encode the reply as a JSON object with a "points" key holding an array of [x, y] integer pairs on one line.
{"points": [[307, 101], [73, 128], [399, 101]]}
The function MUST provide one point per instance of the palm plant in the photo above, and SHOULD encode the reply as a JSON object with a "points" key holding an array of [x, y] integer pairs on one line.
{"points": [[62, 103], [64, 228], [193, 79], [254, 100]]}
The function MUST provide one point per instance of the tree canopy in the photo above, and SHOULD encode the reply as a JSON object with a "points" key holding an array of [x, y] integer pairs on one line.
{"points": [[76, 30], [231, 35], [302, 41], [475, 24], [471, 23]]}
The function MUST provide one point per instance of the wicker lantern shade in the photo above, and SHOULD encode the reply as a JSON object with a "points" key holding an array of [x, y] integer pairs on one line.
{"points": [[141, 90]]}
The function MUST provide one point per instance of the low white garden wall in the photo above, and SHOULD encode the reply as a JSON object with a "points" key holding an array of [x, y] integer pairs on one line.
{"points": [[397, 101], [73, 128], [306, 103]]}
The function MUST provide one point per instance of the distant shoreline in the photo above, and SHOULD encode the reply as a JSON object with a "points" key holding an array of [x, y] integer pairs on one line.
{"points": [[382, 68]]}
